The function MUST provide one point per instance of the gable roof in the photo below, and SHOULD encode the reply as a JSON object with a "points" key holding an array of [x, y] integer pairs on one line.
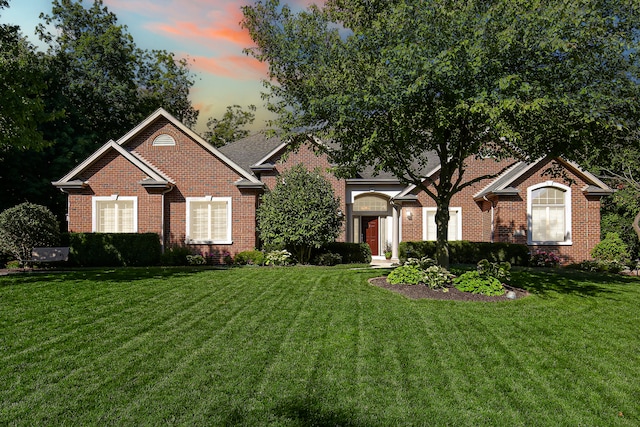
{"points": [[156, 177], [160, 112], [252, 150], [502, 185], [71, 180]]}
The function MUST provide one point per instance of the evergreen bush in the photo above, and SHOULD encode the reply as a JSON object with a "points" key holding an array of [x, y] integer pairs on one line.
{"points": [[27, 226]]}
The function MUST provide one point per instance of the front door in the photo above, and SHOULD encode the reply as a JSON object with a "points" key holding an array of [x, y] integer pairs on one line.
{"points": [[370, 231]]}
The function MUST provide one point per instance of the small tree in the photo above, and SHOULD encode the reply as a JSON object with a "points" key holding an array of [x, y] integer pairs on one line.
{"points": [[300, 213], [26, 226]]}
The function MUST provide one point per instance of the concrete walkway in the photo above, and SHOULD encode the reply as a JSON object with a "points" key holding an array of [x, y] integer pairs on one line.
{"points": [[382, 263]]}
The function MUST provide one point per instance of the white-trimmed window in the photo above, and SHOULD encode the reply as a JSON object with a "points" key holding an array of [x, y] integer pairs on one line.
{"points": [[549, 214], [114, 214], [429, 229], [209, 220]]}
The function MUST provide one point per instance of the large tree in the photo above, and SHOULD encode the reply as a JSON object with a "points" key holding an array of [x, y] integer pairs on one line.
{"points": [[101, 85], [393, 82], [21, 83]]}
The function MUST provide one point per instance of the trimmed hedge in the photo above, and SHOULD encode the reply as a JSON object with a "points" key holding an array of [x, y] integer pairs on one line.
{"points": [[465, 252], [114, 249], [351, 253]]}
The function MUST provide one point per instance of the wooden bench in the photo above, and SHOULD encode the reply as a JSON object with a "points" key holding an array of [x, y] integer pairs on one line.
{"points": [[50, 254]]}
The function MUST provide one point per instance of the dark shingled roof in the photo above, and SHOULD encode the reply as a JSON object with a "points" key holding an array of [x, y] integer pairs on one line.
{"points": [[247, 151]]}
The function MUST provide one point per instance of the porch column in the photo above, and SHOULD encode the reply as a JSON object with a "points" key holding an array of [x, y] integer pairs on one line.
{"points": [[395, 234]]}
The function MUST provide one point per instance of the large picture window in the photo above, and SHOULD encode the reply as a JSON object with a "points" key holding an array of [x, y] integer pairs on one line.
{"points": [[549, 210], [209, 220], [429, 229], [114, 214]]}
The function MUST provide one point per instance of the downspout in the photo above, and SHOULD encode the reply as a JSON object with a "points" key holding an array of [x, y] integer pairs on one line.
{"points": [[162, 219]]}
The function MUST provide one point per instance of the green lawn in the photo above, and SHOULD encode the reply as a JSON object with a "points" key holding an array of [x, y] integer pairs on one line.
{"points": [[313, 346]]}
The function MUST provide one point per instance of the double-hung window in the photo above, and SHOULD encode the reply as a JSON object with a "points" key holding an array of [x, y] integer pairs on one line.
{"points": [[549, 211], [209, 220], [115, 214], [429, 229]]}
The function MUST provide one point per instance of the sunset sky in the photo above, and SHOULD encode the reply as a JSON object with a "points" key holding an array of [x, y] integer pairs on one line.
{"points": [[206, 31]]}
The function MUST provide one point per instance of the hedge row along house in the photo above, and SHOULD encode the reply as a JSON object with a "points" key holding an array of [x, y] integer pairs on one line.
{"points": [[161, 177]]}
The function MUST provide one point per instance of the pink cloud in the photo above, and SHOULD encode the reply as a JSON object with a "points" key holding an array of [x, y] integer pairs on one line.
{"points": [[233, 66], [203, 35]]}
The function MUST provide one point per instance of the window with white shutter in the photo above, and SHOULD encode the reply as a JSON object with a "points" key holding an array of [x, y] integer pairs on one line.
{"points": [[429, 230], [209, 220], [115, 214]]}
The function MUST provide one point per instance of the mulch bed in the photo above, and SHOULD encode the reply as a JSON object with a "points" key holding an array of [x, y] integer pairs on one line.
{"points": [[424, 292]]}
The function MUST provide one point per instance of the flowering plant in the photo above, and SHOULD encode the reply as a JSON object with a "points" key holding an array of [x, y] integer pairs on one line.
{"points": [[227, 258], [541, 258]]}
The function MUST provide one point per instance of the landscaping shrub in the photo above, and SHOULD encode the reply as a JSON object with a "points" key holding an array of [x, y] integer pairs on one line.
{"points": [[301, 212], [424, 270], [594, 266], [175, 255], [611, 249], [501, 271], [478, 283], [254, 257], [26, 226], [465, 252], [196, 260], [487, 279], [328, 259], [114, 249], [351, 253], [282, 257], [540, 258], [407, 275]]}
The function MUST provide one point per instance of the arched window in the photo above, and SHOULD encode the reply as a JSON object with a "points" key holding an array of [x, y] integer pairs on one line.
{"points": [[370, 204], [549, 212]]}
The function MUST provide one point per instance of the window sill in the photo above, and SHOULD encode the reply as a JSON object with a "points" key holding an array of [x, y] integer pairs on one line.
{"points": [[208, 242], [567, 243]]}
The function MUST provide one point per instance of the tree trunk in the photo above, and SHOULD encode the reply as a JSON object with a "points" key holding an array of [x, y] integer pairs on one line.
{"points": [[636, 224], [442, 234]]}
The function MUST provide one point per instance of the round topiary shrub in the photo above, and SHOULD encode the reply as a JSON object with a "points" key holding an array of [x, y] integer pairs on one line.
{"points": [[27, 226]]}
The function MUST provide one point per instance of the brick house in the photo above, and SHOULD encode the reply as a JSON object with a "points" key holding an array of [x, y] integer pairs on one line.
{"points": [[161, 177]]}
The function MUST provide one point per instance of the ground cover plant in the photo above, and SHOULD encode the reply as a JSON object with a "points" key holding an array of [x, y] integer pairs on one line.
{"points": [[296, 346]]}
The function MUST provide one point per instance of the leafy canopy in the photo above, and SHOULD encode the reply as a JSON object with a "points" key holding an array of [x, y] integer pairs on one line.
{"points": [[98, 83], [229, 128], [300, 213], [394, 82], [21, 81]]}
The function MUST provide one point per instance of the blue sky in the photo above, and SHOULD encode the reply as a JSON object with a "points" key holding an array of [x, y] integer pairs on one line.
{"points": [[205, 31]]}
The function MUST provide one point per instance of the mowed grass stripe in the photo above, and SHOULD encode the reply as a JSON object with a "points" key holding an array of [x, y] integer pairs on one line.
{"points": [[234, 358], [131, 339], [316, 346]]}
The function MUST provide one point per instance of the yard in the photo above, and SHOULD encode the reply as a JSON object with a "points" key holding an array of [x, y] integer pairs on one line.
{"points": [[316, 346]]}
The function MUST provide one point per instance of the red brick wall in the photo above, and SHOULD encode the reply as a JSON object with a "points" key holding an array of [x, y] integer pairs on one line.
{"points": [[196, 173], [110, 175], [510, 213]]}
